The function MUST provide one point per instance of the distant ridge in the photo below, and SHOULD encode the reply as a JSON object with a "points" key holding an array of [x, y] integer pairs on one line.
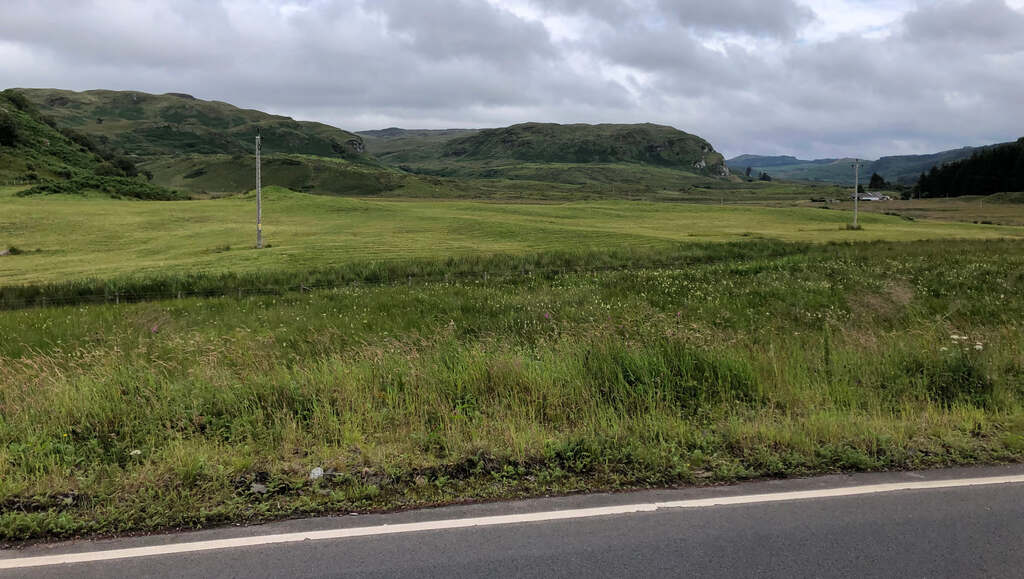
{"points": [[903, 169]]}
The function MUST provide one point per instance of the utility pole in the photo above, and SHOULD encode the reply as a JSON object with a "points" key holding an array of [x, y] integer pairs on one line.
{"points": [[856, 189], [259, 194]]}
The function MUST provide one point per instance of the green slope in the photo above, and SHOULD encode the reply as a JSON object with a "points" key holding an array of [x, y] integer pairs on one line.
{"points": [[236, 173], [208, 146], [146, 124], [62, 161], [651, 157], [396, 146], [31, 149], [552, 143]]}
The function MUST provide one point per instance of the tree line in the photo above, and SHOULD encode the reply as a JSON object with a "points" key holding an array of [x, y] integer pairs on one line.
{"points": [[992, 170]]}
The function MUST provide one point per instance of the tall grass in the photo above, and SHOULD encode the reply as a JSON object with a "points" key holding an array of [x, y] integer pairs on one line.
{"points": [[196, 412]]}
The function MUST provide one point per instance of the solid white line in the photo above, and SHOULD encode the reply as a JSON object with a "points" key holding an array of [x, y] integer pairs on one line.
{"points": [[23, 562]]}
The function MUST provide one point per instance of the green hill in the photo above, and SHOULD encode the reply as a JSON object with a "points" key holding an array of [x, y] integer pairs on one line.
{"points": [[207, 146], [145, 124], [552, 143], [396, 146], [648, 156], [33, 151], [306, 173]]}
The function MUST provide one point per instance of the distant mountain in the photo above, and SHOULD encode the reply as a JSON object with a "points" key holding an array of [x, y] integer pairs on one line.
{"points": [[744, 161], [903, 169], [138, 123]]}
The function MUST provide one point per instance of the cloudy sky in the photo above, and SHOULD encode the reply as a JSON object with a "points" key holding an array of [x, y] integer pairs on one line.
{"points": [[811, 78]]}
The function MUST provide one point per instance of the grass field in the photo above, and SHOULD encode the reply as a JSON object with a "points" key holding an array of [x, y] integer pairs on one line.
{"points": [[616, 344], [966, 209], [69, 237], [196, 412]]}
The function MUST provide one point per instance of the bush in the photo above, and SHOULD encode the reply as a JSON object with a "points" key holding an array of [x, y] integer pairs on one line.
{"points": [[8, 130], [114, 185], [126, 167], [108, 170], [19, 100]]}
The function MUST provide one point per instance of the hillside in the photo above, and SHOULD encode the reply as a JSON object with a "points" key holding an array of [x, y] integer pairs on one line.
{"points": [[207, 146], [395, 146], [34, 152], [204, 147], [143, 124], [991, 170], [305, 173], [31, 149], [606, 143], [903, 169]]}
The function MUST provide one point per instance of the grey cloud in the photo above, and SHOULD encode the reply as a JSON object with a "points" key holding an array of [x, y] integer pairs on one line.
{"points": [[771, 18], [947, 77], [460, 29], [988, 22], [775, 18]]}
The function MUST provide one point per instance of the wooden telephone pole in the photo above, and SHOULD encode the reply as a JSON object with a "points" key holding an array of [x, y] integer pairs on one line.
{"points": [[856, 189], [259, 195]]}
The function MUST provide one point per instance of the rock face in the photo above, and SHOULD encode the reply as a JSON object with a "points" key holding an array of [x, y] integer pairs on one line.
{"points": [[553, 143], [356, 145]]}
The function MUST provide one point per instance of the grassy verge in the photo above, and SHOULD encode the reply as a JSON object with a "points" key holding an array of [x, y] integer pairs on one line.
{"points": [[190, 413]]}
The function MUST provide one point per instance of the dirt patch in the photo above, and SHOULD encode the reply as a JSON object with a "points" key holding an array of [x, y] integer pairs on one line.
{"points": [[888, 303]]}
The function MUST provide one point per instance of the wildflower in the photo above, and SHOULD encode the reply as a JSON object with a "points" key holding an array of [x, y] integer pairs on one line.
{"points": [[943, 349], [979, 347], [547, 316], [135, 452]]}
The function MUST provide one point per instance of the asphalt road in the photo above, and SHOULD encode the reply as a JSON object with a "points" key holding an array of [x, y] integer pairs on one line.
{"points": [[966, 531]]}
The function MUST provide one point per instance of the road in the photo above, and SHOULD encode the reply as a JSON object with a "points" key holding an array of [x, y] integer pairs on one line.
{"points": [[924, 524]]}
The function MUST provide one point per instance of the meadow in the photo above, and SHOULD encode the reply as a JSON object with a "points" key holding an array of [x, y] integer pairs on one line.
{"points": [[422, 352], [789, 360], [68, 237]]}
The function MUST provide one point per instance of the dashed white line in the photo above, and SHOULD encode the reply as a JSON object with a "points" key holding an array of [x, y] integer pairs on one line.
{"points": [[191, 547]]}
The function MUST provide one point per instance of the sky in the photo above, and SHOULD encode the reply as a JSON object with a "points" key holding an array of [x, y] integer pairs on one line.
{"points": [[809, 78]]}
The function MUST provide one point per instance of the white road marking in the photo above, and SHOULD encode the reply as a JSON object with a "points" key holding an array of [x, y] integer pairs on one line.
{"points": [[108, 555]]}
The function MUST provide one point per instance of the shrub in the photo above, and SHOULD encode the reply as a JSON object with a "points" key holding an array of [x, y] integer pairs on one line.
{"points": [[114, 185], [8, 129], [108, 170]]}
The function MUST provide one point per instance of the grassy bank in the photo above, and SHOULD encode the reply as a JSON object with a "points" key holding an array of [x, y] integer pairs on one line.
{"points": [[190, 413]]}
